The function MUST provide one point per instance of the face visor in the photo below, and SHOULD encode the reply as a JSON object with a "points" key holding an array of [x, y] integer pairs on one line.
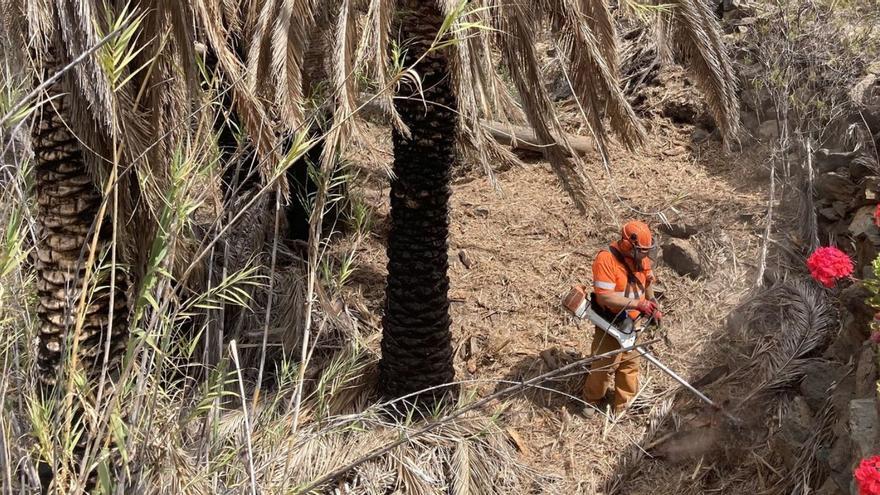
{"points": [[639, 253]]}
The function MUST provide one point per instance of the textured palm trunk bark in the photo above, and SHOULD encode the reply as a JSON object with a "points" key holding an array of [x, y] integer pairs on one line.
{"points": [[416, 339], [68, 203]]}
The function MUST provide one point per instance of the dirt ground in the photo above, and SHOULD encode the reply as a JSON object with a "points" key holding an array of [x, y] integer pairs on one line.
{"points": [[515, 251]]}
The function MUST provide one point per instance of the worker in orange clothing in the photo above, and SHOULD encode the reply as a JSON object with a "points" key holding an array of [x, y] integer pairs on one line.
{"points": [[622, 288]]}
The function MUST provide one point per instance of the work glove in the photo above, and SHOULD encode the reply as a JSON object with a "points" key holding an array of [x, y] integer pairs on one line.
{"points": [[647, 308]]}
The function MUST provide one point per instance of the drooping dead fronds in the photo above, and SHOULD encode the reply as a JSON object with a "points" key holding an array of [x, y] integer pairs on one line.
{"points": [[277, 54], [254, 116], [372, 56], [694, 36], [516, 37], [589, 44], [480, 92], [288, 47]]}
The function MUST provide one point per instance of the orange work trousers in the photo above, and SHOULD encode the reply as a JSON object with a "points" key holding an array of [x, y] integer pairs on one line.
{"points": [[625, 368]]}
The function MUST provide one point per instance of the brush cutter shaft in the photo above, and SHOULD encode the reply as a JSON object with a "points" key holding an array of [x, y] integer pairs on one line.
{"points": [[656, 362], [625, 339]]}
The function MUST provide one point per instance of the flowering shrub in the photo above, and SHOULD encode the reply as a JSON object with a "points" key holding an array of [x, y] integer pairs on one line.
{"points": [[868, 476], [828, 265]]}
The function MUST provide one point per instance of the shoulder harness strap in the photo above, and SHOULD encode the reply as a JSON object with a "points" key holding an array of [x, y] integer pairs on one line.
{"points": [[633, 286]]}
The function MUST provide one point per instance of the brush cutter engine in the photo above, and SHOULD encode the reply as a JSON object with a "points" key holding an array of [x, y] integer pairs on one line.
{"points": [[581, 305]]}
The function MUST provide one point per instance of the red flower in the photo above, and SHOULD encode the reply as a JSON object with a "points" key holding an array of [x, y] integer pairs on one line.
{"points": [[868, 476], [877, 215], [828, 264]]}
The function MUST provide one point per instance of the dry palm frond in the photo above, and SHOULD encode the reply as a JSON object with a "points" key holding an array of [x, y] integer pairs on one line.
{"points": [[78, 30], [791, 320], [480, 95], [254, 116], [694, 36], [601, 23], [288, 51], [516, 38], [479, 87], [372, 55], [461, 485], [630, 462], [259, 58], [593, 69], [343, 79]]}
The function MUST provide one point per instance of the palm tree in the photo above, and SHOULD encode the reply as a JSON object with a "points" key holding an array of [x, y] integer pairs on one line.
{"points": [[457, 84], [416, 340], [102, 129], [69, 204]]}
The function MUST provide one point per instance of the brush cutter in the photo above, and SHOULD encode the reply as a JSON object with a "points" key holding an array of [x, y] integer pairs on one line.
{"points": [[579, 304]]}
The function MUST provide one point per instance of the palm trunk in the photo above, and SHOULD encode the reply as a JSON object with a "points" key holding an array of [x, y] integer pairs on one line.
{"points": [[68, 203], [416, 339]]}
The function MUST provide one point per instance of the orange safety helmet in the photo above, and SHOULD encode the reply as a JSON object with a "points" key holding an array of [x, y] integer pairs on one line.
{"points": [[636, 234]]}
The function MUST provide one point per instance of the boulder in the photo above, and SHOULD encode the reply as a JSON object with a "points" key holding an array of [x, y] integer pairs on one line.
{"points": [[862, 224], [853, 299], [863, 427], [793, 432], [700, 135], [825, 160], [839, 460], [830, 214], [834, 186], [682, 257], [841, 207], [862, 167], [865, 254], [680, 230], [832, 210], [849, 340], [819, 377], [686, 110], [866, 373], [737, 9]]}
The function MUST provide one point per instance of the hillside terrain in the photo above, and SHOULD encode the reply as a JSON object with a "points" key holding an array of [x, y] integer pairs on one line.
{"points": [[515, 249]]}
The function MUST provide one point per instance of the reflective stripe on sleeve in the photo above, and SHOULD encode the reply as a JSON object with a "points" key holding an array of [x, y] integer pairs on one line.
{"points": [[604, 285]]}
